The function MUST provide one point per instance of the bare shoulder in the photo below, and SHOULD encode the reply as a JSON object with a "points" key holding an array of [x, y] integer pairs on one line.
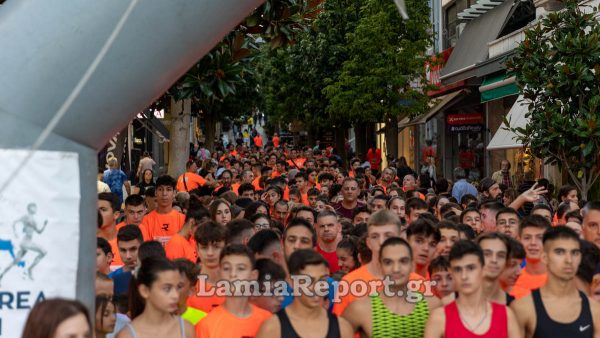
{"points": [[523, 306], [190, 332], [346, 329], [359, 306], [270, 328], [433, 303], [124, 333], [436, 323]]}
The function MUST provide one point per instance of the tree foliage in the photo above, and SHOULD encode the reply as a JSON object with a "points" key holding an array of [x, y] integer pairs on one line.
{"points": [[385, 70], [294, 77], [557, 68]]}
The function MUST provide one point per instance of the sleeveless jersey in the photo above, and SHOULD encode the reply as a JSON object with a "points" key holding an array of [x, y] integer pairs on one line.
{"points": [[455, 327], [545, 327], [288, 331], [388, 324]]}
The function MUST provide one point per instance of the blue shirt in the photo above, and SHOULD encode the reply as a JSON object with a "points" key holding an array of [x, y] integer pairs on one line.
{"points": [[461, 188], [121, 280], [115, 178]]}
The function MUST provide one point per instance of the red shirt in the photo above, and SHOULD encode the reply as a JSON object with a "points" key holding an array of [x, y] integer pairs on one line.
{"points": [[331, 258], [455, 327], [374, 158]]}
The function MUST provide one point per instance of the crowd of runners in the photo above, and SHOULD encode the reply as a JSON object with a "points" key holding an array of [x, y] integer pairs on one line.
{"points": [[278, 241]]}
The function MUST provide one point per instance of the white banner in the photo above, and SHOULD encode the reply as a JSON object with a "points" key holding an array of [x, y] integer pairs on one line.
{"points": [[39, 233]]}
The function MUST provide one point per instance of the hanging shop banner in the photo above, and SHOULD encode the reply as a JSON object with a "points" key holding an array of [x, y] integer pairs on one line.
{"points": [[39, 232]]}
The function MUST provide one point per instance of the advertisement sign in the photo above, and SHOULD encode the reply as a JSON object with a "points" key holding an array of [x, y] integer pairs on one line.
{"points": [[39, 232], [458, 119]]}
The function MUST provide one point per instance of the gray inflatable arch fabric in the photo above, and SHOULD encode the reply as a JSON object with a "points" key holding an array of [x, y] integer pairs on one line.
{"points": [[49, 46]]}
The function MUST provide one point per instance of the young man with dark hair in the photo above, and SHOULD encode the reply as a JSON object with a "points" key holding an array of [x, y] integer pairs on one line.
{"points": [[533, 276], [210, 238], [449, 235], [511, 273], [104, 256], [439, 271], [381, 226], [360, 215], [164, 222], [472, 313], [496, 251], [236, 317], [558, 309], [507, 222], [414, 207], [269, 274], [188, 272], [423, 237], [266, 244], [135, 210], [378, 203], [328, 236], [544, 211], [109, 209], [246, 190], [239, 231], [183, 244], [312, 196], [383, 315], [306, 316], [472, 217], [299, 234], [591, 222], [129, 240]]}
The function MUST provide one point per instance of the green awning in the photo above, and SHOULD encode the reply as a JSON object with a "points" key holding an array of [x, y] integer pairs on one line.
{"points": [[498, 86]]}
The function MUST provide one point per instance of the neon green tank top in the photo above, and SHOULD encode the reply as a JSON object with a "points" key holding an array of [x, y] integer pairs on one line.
{"points": [[389, 324]]}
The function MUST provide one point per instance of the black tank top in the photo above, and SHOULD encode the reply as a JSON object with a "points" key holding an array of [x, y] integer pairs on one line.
{"points": [[548, 328], [288, 331]]}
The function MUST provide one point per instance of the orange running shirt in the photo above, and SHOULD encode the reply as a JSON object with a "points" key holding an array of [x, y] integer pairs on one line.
{"points": [[360, 274], [256, 183], [161, 227], [220, 323], [527, 282], [276, 141], [179, 247], [205, 303], [192, 181], [117, 261]]}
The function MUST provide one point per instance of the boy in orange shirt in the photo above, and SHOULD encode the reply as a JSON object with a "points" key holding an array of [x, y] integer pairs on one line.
{"points": [[210, 238], [236, 317], [183, 244], [533, 276], [164, 222]]}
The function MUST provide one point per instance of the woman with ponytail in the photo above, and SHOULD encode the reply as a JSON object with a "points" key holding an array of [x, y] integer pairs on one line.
{"points": [[153, 298]]}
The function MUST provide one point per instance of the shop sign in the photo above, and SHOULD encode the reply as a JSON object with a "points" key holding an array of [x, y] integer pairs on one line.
{"points": [[459, 119]]}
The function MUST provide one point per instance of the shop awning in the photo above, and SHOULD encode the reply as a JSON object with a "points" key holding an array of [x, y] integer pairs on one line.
{"points": [[155, 126], [506, 139], [498, 86], [442, 102], [472, 47]]}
